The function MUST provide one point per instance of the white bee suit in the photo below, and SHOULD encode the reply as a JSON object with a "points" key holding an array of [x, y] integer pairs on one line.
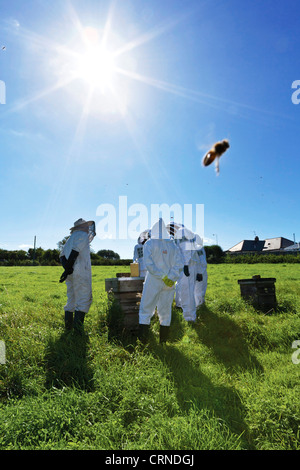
{"points": [[200, 287], [79, 283], [162, 258], [189, 291]]}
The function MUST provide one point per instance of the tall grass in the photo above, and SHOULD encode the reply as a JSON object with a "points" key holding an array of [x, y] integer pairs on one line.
{"points": [[228, 382]]}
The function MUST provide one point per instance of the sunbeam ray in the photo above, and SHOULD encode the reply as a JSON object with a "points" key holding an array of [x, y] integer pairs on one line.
{"points": [[67, 170], [150, 35], [37, 96], [197, 96]]}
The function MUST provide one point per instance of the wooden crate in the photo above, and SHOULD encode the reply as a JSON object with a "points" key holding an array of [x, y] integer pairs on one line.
{"points": [[127, 291], [260, 292]]}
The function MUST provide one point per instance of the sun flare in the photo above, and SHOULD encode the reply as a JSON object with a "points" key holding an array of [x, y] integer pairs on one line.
{"points": [[96, 67]]}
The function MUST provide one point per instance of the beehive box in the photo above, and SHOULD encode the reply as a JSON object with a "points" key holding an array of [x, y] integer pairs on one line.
{"points": [[127, 291], [260, 292]]}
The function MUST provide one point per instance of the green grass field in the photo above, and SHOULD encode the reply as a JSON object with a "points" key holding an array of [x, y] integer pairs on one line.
{"points": [[229, 382]]}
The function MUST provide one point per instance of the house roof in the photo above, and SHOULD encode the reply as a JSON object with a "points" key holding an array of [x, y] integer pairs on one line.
{"points": [[295, 247], [277, 243], [248, 245], [270, 244]]}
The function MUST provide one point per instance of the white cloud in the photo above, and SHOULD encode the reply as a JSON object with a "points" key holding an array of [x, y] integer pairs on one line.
{"points": [[209, 241]]}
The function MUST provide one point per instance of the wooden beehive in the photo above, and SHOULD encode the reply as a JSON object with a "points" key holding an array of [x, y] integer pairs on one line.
{"points": [[127, 291], [260, 292]]}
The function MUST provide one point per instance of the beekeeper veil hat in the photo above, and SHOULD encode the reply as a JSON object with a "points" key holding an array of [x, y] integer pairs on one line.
{"points": [[86, 226], [144, 236], [187, 239]]}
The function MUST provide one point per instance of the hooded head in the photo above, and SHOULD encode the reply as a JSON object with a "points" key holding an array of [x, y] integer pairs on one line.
{"points": [[187, 239], [144, 236], [173, 227], [159, 231]]}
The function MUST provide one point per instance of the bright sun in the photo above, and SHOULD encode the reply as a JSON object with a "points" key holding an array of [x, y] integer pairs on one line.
{"points": [[102, 61], [96, 67]]}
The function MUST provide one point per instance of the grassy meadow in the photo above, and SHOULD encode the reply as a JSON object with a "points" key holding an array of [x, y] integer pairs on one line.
{"points": [[228, 382]]}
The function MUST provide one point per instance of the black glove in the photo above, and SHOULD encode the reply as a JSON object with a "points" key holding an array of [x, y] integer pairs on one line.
{"points": [[63, 261], [199, 277], [64, 276], [68, 265], [186, 270]]}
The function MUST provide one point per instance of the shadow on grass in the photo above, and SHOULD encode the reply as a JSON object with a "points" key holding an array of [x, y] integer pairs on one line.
{"points": [[195, 390], [66, 362], [114, 321], [225, 339]]}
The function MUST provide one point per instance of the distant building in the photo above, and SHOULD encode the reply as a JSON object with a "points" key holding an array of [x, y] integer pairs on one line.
{"points": [[270, 245], [293, 248]]}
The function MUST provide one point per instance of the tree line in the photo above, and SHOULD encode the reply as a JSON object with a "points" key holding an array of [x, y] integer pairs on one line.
{"points": [[214, 255], [50, 257]]}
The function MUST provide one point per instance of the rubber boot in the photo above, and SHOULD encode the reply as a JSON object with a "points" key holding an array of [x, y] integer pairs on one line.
{"points": [[78, 321], [68, 320], [163, 333], [143, 333]]}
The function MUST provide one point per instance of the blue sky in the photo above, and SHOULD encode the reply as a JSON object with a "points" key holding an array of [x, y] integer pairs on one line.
{"points": [[186, 73]]}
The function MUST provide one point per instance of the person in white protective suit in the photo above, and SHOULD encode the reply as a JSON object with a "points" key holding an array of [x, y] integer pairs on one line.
{"points": [[76, 260], [138, 252], [201, 286], [164, 263], [191, 286]]}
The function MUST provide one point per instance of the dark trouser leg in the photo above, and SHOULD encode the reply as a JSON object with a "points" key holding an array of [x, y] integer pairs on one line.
{"points": [[163, 333], [78, 320], [68, 320], [144, 332]]}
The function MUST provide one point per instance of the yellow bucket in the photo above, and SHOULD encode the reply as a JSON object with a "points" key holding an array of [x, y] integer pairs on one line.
{"points": [[134, 269]]}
